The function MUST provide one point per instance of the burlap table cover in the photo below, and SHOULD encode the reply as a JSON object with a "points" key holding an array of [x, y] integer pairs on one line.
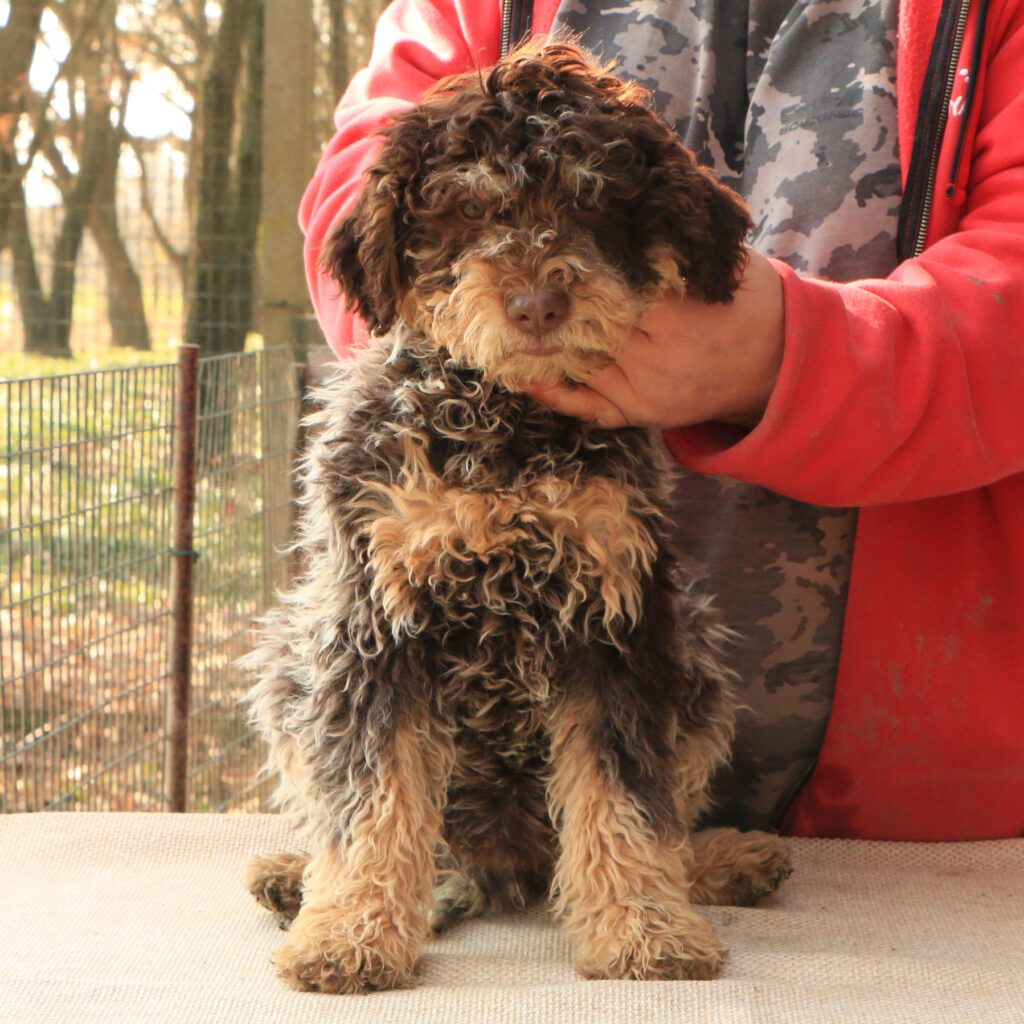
{"points": [[144, 918]]}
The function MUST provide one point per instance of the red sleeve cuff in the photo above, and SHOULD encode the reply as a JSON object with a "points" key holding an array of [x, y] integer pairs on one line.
{"points": [[721, 449]]}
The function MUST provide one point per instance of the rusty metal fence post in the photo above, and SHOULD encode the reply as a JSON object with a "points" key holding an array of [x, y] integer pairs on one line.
{"points": [[183, 557]]}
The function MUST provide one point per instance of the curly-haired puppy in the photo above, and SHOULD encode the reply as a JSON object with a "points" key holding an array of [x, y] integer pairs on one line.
{"points": [[488, 683]]}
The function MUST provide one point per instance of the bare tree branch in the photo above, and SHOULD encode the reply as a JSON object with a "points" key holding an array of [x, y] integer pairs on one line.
{"points": [[178, 257]]}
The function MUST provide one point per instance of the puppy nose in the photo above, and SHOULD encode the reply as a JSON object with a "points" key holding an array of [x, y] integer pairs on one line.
{"points": [[537, 312]]}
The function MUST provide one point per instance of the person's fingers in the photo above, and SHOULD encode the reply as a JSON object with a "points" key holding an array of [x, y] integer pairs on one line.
{"points": [[612, 383], [645, 326], [580, 402], [640, 334]]}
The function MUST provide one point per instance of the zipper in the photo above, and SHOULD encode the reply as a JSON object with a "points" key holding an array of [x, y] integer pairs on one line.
{"points": [[930, 130], [972, 88], [516, 22], [954, 60], [506, 26]]}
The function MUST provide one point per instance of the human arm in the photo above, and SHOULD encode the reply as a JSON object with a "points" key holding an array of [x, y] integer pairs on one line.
{"points": [[911, 387], [416, 43]]}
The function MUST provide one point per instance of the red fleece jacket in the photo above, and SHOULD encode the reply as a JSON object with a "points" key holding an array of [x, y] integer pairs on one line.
{"points": [[903, 396]]}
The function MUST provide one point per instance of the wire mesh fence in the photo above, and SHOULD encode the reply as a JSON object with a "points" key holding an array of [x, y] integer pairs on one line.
{"points": [[87, 503]]}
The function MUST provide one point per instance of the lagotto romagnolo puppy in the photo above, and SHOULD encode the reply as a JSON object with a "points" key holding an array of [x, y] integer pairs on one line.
{"points": [[489, 684]]}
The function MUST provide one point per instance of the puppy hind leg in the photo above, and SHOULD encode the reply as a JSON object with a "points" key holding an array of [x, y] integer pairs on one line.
{"points": [[275, 882], [494, 876], [467, 891], [457, 897], [736, 868]]}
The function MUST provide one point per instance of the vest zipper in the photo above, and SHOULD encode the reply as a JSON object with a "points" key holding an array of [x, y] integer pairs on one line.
{"points": [[972, 88], [516, 22], [506, 26], [930, 130]]}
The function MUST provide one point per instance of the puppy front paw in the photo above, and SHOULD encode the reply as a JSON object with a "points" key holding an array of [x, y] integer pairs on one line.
{"points": [[651, 946], [324, 954]]}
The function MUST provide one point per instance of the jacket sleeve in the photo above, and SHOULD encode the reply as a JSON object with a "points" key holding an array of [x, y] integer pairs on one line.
{"points": [[911, 387], [416, 43]]}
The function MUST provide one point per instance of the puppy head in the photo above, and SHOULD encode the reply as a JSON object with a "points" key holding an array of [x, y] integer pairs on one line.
{"points": [[524, 219]]}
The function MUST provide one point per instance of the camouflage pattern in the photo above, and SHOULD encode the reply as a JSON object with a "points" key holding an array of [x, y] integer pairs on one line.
{"points": [[794, 105]]}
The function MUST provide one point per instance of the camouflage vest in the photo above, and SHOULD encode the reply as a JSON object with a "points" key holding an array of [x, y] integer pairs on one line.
{"points": [[794, 105]]}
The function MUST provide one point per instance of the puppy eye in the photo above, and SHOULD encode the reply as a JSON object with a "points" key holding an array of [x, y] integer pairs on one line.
{"points": [[471, 210]]}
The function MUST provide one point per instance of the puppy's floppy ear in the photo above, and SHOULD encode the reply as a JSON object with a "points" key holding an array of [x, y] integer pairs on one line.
{"points": [[701, 219], [363, 252]]}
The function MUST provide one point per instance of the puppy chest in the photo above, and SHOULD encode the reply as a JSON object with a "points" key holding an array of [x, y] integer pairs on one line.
{"points": [[542, 551]]}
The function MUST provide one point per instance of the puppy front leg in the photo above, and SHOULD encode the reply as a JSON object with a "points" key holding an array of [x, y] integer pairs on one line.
{"points": [[367, 895], [622, 878]]}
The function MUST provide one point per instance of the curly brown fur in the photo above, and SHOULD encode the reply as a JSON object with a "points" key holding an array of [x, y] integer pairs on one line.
{"points": [[490, 679]]}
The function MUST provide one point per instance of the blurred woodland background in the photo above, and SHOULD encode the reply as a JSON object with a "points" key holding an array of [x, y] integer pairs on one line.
{"points": [[140, 144]]}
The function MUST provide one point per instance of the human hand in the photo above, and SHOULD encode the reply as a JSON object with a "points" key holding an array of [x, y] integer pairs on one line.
{"points": [[688, 362]]}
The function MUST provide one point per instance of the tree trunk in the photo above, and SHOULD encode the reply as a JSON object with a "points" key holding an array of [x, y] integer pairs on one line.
{"points": [[47, 319], [125, 308], [247, 191], [43, 334], [227, 184], [17, 46], [339, 48]]}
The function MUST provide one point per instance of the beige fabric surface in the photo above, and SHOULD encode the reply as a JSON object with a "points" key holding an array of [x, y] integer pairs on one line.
{"points": [[144, 918]]}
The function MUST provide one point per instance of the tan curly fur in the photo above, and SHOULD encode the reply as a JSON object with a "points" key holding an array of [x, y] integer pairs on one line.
{"points": [[426, 525], [364, 911], [621, 886], [728, 868]]}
